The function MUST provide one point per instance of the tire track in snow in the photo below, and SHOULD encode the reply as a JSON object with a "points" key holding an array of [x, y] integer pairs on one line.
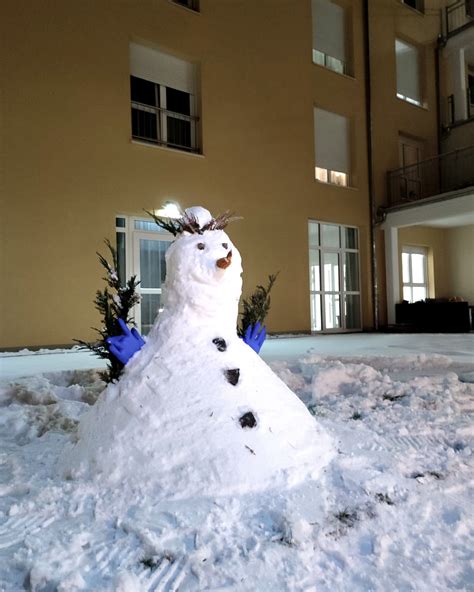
{"points": [[14, 530], [166, 577]]}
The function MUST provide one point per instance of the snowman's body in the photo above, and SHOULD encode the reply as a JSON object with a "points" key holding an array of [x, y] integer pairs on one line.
{"points": [[197, 411]]}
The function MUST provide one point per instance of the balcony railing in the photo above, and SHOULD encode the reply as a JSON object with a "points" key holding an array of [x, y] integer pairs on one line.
{"points": [[459, 15], [457, 114], [427, 178]]}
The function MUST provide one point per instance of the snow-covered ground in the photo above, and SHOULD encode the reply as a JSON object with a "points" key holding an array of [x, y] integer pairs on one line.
{"points": [[392, 512]]}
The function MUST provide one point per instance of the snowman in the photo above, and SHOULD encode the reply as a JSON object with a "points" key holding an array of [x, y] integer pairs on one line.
{"points": [[197, 411]]}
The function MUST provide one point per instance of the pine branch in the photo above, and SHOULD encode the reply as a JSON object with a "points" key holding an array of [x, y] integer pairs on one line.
{"points": [[113, 302], [257, 306], [189, 223]]}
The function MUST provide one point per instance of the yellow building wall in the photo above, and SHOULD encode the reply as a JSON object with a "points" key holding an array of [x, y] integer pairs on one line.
{"points": [[70, 166], [391, 116], [460, 255]]}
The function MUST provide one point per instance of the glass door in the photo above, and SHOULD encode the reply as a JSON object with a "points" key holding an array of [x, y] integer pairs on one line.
{"points": [[150, 267], [334, 278]]}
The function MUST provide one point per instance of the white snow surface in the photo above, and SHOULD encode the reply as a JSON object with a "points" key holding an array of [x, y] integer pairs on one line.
{"points": [[173, 421], [392, 511]]}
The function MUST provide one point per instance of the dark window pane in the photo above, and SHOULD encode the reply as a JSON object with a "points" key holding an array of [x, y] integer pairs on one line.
{"points": [[150, 304], [144, 125], [142, 91], [120, 222], [352, 311], [121, 255], [179, 132], [193, 4], [178, 101], [351, 237]]}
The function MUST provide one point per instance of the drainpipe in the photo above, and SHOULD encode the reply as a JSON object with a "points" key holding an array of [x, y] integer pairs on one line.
{"points": [[369, 130]]}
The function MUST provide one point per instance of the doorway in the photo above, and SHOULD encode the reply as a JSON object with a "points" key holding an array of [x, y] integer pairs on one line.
{"points": [[142, 246], [334, 278]]}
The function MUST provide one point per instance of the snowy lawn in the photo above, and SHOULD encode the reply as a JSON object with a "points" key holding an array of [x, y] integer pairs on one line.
{"points": [[393, 511]]}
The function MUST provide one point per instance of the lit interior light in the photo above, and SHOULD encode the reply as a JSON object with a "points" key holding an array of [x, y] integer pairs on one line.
{"points": [[321, 174], [169, 209]]}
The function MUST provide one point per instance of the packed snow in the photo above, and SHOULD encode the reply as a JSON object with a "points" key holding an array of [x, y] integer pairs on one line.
{"points": [[392, 511]]}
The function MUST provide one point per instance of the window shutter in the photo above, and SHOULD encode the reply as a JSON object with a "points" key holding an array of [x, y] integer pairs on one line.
{"points": [[162, 68], [329, 28], [332, 143], [408, 70]]}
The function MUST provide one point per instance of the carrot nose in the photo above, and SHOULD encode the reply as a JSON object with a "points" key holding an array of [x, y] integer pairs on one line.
{"points": [[224, 262]]}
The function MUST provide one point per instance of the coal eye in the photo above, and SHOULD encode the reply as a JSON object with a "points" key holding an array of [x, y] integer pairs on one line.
{"points": [[200, 246], [225, 245]]}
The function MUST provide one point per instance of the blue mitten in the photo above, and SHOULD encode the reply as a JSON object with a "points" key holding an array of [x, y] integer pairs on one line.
{"points": [[254, 336], [124, 346]]}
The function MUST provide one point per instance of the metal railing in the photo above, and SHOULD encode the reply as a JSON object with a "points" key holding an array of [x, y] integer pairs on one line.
{"points": [[447, 172], [156, 125], [459, 15], [455, 113]]}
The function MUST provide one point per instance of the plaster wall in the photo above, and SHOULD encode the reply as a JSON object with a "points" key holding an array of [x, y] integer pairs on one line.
{"points": [[392, 116], [460, 255], [69, 165]]}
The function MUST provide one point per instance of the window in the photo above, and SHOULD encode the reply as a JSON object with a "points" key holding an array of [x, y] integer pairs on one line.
{"points": [[334, 277], [163, 99], [408, 72], [332, 147], [191, 4], [330, 35], [416, 4], [415, 273]]}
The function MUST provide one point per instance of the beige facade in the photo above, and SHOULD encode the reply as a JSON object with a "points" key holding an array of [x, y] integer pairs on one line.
{"points": [[70, 165]]}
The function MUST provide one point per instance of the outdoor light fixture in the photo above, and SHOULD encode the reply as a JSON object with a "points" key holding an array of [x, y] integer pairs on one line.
{"points": [[169, 209]]}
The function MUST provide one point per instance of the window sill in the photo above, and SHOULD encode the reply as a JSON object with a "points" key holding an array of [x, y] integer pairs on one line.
{"points": [[423, 107], [326, 69], [347, 187], [167, 149]]}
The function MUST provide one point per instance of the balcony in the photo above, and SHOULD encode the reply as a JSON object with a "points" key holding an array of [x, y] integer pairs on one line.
{"points": [[459, 16], [447, 172]]}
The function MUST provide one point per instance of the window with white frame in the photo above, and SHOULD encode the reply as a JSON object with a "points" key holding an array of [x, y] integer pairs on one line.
{"points": [[332, 147], [408, 72], [415, 273], [330, 35], [163, 99]]}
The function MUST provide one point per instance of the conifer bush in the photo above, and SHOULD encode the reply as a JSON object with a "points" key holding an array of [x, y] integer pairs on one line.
{"points": [[113, 302]]}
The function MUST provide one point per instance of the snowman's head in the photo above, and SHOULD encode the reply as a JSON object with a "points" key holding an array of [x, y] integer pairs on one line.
{"points": [[203, 268]]}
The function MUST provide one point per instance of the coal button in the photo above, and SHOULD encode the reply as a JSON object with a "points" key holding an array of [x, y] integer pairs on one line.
{"points": [[232, 376]]}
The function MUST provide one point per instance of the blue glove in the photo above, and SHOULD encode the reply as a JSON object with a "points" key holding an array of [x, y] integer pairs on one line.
{"points": [[124, 346], [254, 336]]}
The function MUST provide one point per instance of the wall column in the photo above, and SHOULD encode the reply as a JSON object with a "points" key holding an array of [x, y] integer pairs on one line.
{"points": [[392, 271]]}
